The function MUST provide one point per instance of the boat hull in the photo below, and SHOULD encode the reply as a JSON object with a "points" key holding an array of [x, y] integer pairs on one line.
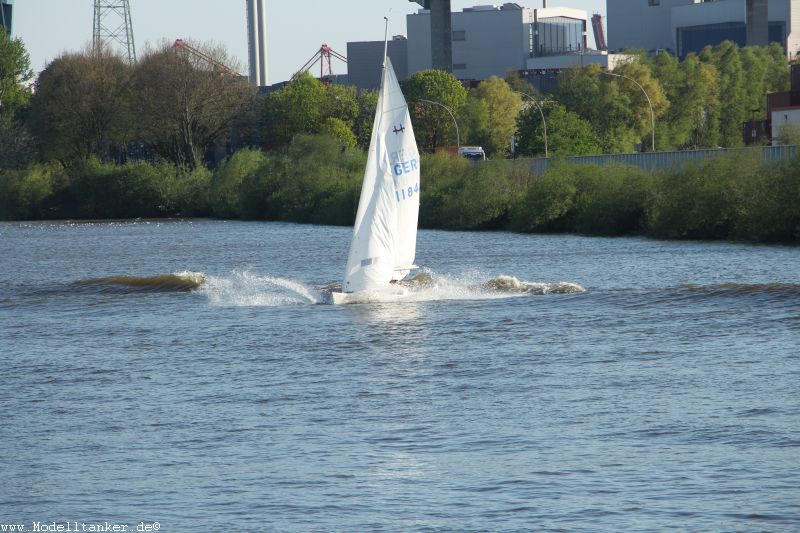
{"points": [[389, 294]]}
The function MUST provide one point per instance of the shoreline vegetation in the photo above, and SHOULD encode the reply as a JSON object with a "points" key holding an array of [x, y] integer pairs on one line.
{"points": [[316, 180], [95, 137]]}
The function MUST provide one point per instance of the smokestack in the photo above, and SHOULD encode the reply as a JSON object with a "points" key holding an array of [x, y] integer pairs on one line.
{"points": [[757, 23], [257, 42]]}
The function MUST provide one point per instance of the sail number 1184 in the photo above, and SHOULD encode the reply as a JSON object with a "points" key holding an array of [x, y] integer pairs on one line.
{"points": [[406, 193]]}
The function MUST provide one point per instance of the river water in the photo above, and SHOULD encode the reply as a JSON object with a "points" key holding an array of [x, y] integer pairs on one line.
{"points": [[666, 396]]}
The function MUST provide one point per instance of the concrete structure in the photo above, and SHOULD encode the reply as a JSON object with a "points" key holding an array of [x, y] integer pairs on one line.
{"points": [[364, 60], [757, 19], [655, 161], [684, 26], [257, 42], [491, 40], [441, 51], [5, 15]]}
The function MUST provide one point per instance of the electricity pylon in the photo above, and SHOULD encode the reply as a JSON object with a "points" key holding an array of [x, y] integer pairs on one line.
{"points": [[113, 25]]}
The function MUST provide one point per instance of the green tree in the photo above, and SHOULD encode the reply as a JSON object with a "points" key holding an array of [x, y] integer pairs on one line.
{"points": [[732, 90], [341, 102], [519, 85], [367, 103], [503, 105], [81, 106], [640, 106], [297, 108], [567, 133], [778, 70], [702, 100], [473, 121], [433, 124], [692, 118], [599, 100], [15, 73], [227, 181], [185, 106], [338, 129], [755, 63]]}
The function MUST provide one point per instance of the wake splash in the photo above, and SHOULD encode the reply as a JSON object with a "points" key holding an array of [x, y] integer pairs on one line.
{"points": [[180, 282], [246, 289]]}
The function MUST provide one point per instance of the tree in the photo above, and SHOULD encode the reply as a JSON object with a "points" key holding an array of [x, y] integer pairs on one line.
{"points": [[727, 59], [185, 105], [15, 73], [777, 77], [473, 120], [337, 129], [640, 106], [692, 118], [599, 100], [367, 102], [297, 108], [567, 133], [81, 105], [503, 105], [433, 124]]}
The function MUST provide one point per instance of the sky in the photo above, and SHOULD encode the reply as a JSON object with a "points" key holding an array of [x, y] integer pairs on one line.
{"points": [[296, 28]]}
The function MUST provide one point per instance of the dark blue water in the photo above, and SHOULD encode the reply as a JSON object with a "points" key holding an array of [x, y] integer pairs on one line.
{"points": [[665, 397]]}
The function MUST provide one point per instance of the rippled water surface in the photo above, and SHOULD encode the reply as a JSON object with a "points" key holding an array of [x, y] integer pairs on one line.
{"points": [[189, 373]]}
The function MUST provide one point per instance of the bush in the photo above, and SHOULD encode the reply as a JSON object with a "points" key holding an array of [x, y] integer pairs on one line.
{"points": [[191, 193], [705, 201], [611, 200], [772, 208], [441, 176], [548, 202], [227, 181], [110, 191], [482, 200], [24, 192]]}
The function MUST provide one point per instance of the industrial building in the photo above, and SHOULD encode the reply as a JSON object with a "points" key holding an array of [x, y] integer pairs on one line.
{"points": [[490, 40], [5, 14], [685, 26], [364, 60], [487, 40]]}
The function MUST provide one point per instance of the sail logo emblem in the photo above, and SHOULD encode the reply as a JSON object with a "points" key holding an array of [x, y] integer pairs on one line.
{"points": [[399, 130]]}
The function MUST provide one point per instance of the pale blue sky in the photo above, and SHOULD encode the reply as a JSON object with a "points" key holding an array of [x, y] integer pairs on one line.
{"points": [[296, 27]]}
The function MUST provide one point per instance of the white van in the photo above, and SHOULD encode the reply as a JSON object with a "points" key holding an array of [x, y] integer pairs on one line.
{"points": [[475, 153]]}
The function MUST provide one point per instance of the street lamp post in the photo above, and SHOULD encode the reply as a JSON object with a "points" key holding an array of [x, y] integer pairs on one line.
{"points": [[649, 102], [458, 136], [544, 122]]}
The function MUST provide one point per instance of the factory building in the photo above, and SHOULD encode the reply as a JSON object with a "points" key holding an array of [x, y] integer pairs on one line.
{"points": [[364, 60], [490, 40], [487, 40], [685, 26], [5, 14]]}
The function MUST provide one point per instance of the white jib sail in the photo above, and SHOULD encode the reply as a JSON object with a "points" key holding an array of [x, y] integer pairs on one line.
{"points": [[385, 233]]}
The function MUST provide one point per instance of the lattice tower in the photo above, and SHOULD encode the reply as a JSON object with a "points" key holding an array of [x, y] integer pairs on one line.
{"points": [[113, 26]]}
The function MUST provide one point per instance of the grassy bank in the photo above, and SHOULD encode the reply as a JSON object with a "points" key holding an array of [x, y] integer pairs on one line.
{"points": [[316, 181]]}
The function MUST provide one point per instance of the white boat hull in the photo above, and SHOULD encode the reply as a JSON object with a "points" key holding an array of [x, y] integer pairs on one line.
{"points": [[391, 293]]}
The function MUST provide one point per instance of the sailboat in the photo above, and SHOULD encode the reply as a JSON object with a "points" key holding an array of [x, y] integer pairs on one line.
{"points": [[384, 242]]}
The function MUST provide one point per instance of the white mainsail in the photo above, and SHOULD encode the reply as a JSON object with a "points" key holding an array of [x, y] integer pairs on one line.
{"points": [[385, 233]]}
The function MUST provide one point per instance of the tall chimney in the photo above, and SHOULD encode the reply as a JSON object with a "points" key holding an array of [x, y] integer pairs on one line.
{"points": [[257, 42], [757, 23]]}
